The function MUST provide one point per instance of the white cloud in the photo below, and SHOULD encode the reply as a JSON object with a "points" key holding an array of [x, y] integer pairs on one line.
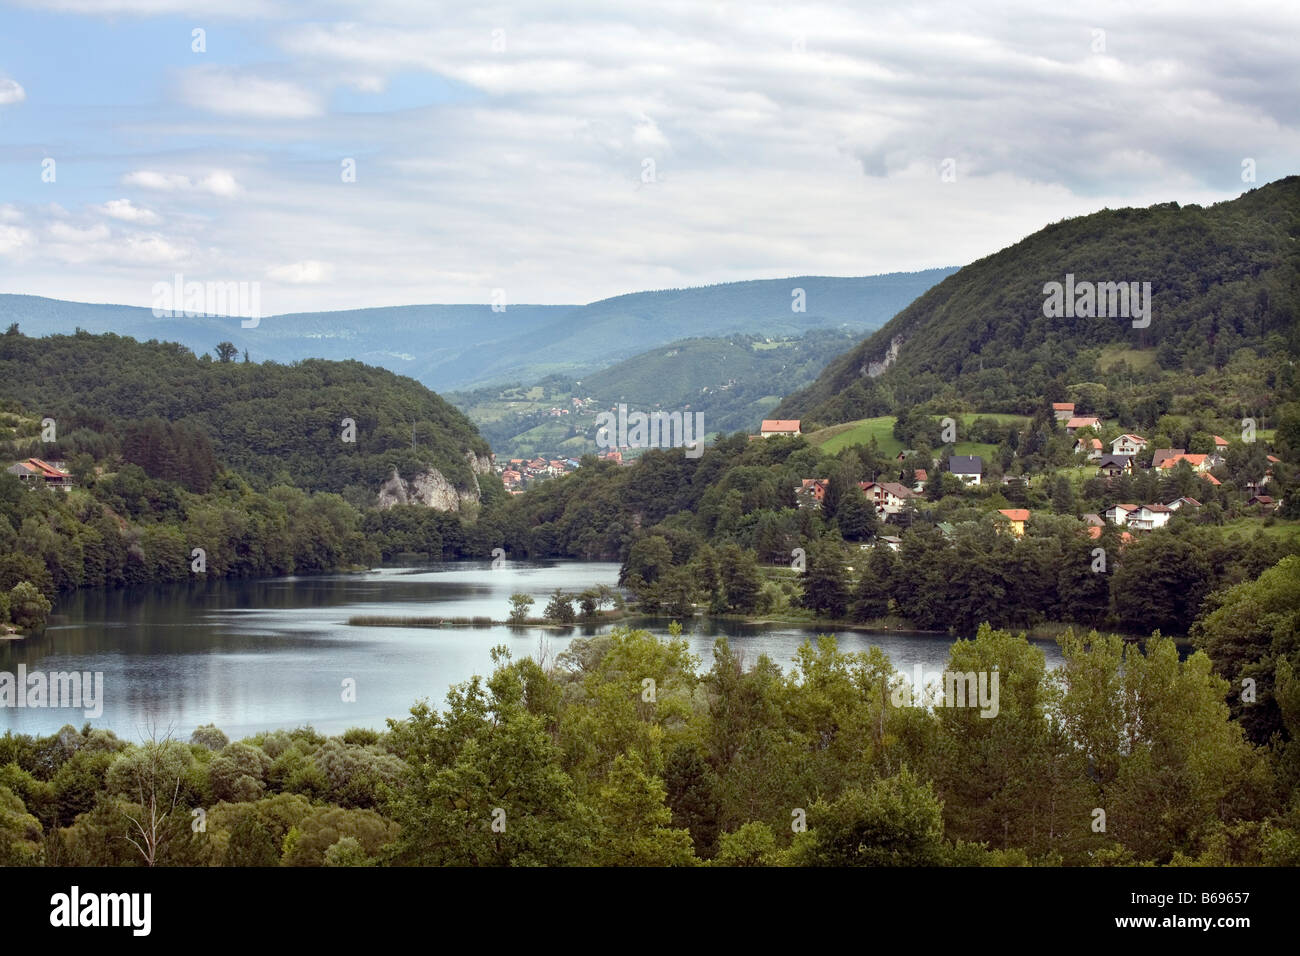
{"points": [[237, 93], [219, 182], [63, 232], [124, 210], [13, 239], [11, 92], [151, 250], [475, 165], [307, 272]]}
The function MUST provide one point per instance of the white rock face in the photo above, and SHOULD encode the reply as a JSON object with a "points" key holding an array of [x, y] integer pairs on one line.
{"points": [[887, 359], [433, 490], [429, 488]]}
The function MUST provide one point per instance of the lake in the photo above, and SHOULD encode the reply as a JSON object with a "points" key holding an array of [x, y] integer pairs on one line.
{"points": [[274, 653]]}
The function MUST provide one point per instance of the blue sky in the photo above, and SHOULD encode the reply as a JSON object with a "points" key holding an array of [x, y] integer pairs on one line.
{"points": [[565, 152]]}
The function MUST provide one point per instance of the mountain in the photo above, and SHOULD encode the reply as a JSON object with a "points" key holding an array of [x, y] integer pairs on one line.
{"points": [[1222, 278], [464, 346], [163, 408], [733, 382]]}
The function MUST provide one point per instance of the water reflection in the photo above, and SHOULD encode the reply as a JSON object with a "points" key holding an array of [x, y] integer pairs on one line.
{"points": [[263, 654]]}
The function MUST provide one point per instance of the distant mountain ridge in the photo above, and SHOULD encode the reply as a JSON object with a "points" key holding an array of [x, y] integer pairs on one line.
{"points": [[462, 346]]}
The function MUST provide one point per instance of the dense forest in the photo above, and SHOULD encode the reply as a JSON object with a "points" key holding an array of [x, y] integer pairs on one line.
{"points": [[1224, 278], [274, 424], [620, 751]]}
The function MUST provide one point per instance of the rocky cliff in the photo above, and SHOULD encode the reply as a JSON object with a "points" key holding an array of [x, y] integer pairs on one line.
{"points": [[432, 489]]}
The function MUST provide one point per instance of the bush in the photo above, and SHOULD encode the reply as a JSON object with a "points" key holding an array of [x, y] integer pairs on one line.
{"points": [[28, 607], [560, 608]]}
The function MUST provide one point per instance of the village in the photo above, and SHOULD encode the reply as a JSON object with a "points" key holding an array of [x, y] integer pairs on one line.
{"points": [[895, 501]]}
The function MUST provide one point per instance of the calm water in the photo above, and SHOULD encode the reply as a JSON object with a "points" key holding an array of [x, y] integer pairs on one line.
{"points": [[268, 654]]}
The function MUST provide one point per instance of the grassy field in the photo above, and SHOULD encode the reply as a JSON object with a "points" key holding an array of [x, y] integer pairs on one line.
{"points": [[837, 437], [1282, 529], [831, 440]]}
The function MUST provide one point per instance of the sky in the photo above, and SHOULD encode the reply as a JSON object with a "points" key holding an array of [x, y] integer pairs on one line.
{"points": [[566, 152]]}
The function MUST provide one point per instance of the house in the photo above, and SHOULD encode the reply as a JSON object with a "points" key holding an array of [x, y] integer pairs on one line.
{"points": [[1161, 455], [1084, 421], [811, 492], [1118, 514], [1149, 517], [1198, 462], [1114, 465], [889, 497], [1093, 520], [1265, 503], [1127, 445], [1088, 446], [1020, 481], [779, 427], [1017, 517], [1220, 444], [1184, 502], [969, 468], [1211, 479], [1063, 411], [892, 541], [41, 472], [921, 477]]}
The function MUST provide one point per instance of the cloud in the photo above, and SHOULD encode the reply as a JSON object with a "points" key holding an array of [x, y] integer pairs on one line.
{"points": [[238, 93], [11, 92], [63, 232], [307, 272], [787, 139], [124, 210], [218, 183], [14, 239]]}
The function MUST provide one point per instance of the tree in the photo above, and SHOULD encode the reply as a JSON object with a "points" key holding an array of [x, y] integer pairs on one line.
{"points": [[1248, 631], [28, 607], [740, 578], [824, 590], [226, 351], [209, 736], [484, 784], [897, 822], [857, 516], [520, 605], [1062, 496], [1159, 583], [648, 558], [559, 609], [871, 599], [150, 775]]}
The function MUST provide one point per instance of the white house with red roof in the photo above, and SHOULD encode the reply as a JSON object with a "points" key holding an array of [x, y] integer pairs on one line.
{"points": [[1118, 514], [1088, 446], [1127, 445], [779, 427], [1149, 517]]}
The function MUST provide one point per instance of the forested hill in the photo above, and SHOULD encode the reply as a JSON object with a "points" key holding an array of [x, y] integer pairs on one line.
{"points": [[272, 423], [1223, 278]]}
